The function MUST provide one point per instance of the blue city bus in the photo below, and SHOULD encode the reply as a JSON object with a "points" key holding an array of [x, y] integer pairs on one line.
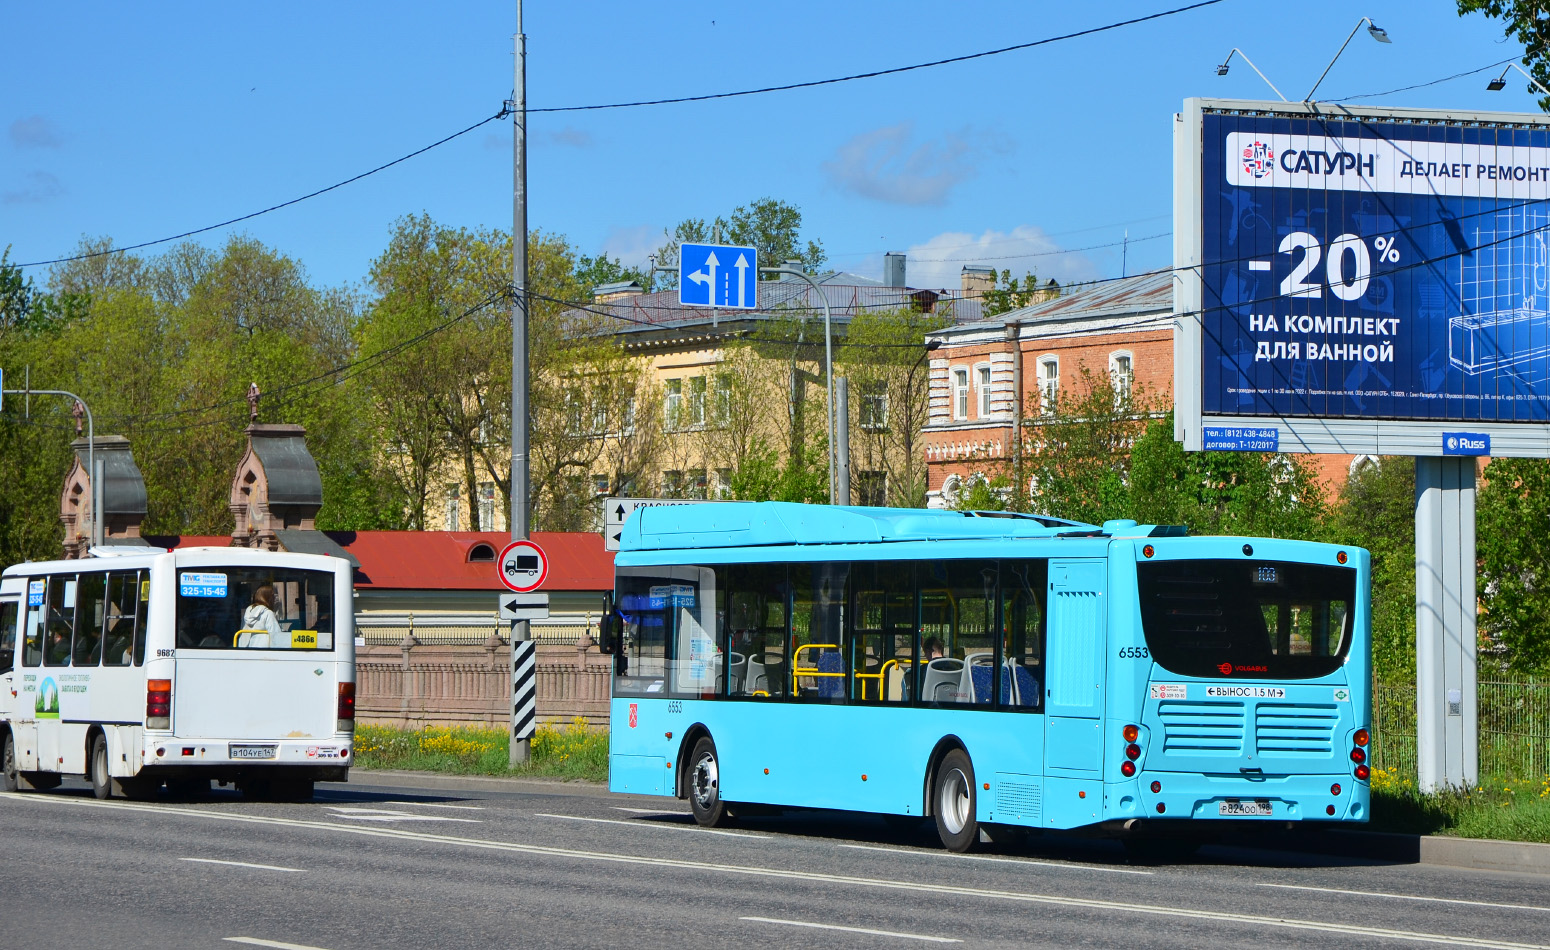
{"points": [[992, 671]]}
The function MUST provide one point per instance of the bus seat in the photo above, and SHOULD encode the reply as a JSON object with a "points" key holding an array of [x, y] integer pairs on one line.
{"points": [[979, 678], [1026, 688], [831, 687], [737, 673], [975, 686], [767, 672], [944, 681]]}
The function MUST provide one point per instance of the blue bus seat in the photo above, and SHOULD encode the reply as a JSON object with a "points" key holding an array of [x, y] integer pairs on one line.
{"points": [[831, 687]]}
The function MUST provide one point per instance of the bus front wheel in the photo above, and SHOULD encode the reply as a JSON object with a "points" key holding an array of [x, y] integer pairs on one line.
{"points": [[704, 783], [953, 802]]}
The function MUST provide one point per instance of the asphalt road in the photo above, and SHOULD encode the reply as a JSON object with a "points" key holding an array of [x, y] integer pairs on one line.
{"points": [[370, 866]]}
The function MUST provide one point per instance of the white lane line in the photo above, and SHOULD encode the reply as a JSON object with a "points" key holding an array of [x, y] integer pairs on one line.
{"points": [[1404, 897], [439, 805], [650, 824], [854, 930], [649, 811], [380, 814], [939, 890], [278, 945], [986, 857], [243, 864]]}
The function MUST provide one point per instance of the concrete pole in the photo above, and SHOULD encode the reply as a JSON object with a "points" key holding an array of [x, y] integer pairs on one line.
{"points": [[842, 438], [520, 747], [828, 358], [1447, 695]]}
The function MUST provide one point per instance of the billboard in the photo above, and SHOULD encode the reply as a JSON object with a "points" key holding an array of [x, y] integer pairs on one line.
{"points": [[1362, 280]]}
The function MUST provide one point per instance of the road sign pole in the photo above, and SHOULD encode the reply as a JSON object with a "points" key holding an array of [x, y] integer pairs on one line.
{"points": [[522, 678]]}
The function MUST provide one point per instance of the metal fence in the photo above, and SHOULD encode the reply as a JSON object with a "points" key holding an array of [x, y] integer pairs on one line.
{"points": [[464, 629], [1514, 728]]}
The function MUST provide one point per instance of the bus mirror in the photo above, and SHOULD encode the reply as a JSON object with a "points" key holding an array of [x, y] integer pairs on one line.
{"points": [[608, 632]]}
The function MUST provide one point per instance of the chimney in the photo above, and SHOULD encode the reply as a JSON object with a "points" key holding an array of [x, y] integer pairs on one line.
{"points": [[794, 265], [123, 496], [893, 271], [607, 293], [975, 282], [276, 487]]}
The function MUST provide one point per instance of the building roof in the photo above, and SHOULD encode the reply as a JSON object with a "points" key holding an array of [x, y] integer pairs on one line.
{"points": [[439, 560], [1144, 294], [123, 490], [289, 469]]}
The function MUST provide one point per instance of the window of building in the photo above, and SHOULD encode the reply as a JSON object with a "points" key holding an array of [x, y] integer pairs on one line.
{"points": [[628, 427], [982, 382], [872, 488], [873, 410], [695, 403], [487, 506], [696, 483], [960, 394], [453, 508], [723, 483], [672, 484], [1049, 382], [672, 403], [721, 402], [1121, 374], [599, 484], [481, 552]]}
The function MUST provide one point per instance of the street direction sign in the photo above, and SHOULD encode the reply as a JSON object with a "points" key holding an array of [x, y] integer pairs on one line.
{"points": [[617, 510], [718, 275], [523, 606], [522, 566]]}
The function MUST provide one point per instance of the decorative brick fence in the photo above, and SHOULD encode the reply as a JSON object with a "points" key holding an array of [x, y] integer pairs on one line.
{"points": [[417, 684]]}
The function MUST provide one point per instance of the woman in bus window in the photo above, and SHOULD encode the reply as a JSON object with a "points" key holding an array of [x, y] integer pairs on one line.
{"points": [[260, 627]]}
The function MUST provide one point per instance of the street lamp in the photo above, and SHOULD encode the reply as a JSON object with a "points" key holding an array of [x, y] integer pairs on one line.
{"points": [[1500, 82], [1222, 69], [828, 357], [1378, 33]]}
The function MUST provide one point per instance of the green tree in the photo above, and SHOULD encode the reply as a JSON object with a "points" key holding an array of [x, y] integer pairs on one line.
{"points": [[1513, 548], [1375, 510], [770, 225], [1012, 293], [1527, 22]]}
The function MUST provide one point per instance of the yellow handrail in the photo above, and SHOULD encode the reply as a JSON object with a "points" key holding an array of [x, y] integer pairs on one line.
{"points": [[799, 670]]}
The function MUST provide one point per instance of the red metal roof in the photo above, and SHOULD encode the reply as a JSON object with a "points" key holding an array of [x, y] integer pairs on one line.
{"points": [[438, 560]]}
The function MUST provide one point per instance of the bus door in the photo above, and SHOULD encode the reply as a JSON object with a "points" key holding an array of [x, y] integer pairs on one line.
{"points": [[9, 609], [25, 679], [58, 632], [1074, 691]]}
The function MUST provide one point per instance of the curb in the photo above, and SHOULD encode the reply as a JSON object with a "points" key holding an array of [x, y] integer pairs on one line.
{"points": [[1438, 850]]}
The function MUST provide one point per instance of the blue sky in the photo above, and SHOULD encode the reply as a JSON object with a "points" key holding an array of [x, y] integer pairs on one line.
{"points": [[139, 121]]}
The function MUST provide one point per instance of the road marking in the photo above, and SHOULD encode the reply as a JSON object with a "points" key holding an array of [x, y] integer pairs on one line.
{"points": [[439, 805], [243, 864], [936, 889], [650, 811], [650, 824], [986, 857], [278, 945], [1405, 897], [380, 814], [854, 930]]}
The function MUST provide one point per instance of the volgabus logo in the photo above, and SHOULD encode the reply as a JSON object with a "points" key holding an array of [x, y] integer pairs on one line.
{"points": [[1258, 159]]}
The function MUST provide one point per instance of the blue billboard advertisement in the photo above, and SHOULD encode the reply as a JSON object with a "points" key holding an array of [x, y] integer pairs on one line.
{"points": [[1364, 266]]}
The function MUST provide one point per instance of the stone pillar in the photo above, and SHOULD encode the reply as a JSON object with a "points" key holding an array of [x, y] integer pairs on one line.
{"points": [[123, 496], [276, 487]]}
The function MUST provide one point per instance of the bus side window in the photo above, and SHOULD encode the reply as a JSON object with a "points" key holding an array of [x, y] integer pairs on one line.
{"points": [[60, 621], [756, 630], [817, 631], [91, 594], [882, 632], [118, 639], [958, 630], [7, 635], [32, 630], [1023, 590]]}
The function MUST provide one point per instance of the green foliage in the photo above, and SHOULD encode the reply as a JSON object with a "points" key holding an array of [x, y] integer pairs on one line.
{"points": [[1012, 293], [1526, 22], [575, 751], [593, 272], [770, 225], [1513, 546], [1376, 511], [762, 476]]}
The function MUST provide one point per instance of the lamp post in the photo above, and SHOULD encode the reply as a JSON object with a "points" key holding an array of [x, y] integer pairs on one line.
{"points": [[929, 347], [1222, 69], [91, 451], [1378, 33], [828, 356], [1500, 82]]}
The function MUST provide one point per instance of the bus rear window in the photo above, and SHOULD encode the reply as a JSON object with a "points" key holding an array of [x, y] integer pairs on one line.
{"points": [[255, 608], [1264, 619]]}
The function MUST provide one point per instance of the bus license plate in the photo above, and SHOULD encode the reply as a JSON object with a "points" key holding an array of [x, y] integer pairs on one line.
{"points": [[266, 752], [1259, 809]]}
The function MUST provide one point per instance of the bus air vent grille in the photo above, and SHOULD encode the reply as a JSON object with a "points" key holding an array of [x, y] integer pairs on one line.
{"points": [[1210, 728], [1294, 729], [1018, 800]]}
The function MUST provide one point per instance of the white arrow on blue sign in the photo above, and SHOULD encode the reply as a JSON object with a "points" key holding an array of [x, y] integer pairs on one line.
{"points": [[718, 275]]}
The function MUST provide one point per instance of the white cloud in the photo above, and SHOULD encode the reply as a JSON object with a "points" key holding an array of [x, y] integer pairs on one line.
{"points": [[887, 165], [38, 186], [36, 131], [939, 261], [631, 246], [573, 137]]}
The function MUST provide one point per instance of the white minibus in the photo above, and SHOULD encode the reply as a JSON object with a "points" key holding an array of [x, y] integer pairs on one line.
{"points": [[140, 668]]}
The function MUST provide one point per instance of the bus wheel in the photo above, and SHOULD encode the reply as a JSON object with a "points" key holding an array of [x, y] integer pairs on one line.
{"points": [[10, 780], [101, 784], [953, 797], [705, 785]]}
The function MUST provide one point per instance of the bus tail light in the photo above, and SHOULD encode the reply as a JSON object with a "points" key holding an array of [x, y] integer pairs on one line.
{"points": [[1362, 772], [1362, 737], [1132, 733], [1127, 768], [1357, 755], [346, 707], [158, 704]]}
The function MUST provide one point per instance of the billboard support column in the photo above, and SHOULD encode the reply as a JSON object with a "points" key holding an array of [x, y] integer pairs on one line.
{"points": [[1447, 725]]}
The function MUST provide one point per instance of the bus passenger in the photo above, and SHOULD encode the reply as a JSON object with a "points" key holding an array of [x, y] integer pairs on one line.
{"points": [[932, 649], [260, 627]]}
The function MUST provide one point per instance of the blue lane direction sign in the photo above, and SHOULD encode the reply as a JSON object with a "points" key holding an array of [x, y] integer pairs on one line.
{"points": [[718, 275]]}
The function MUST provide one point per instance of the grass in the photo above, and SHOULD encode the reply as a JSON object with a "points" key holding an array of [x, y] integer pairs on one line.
{"points": [[1501, 809], [574, 752]]}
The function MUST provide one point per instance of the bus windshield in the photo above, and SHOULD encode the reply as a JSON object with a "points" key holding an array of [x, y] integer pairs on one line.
{"points": [[1266, 619], [255, 608]]}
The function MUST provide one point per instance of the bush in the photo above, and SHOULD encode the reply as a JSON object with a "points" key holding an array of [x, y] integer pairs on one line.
{"points": [[576, 751]]}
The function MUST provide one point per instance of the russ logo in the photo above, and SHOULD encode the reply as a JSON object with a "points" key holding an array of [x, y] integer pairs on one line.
{"points": [[1226, 668], [1258, 159]]}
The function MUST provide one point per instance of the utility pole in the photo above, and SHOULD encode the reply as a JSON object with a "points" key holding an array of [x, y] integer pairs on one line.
{"points": [[521, 642]]}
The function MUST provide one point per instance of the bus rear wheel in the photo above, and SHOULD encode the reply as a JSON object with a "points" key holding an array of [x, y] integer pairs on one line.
{"points": [[704, 782], [10, 779], [101, 783], [953, 802]]}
